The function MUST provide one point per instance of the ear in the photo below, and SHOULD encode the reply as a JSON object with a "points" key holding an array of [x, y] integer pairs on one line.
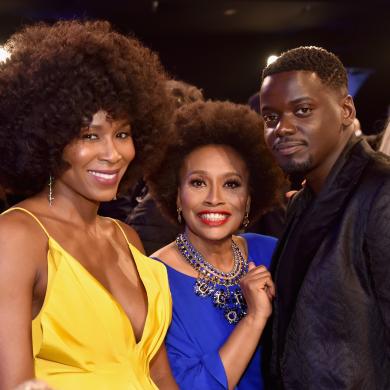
{"points": [[348, 111]]}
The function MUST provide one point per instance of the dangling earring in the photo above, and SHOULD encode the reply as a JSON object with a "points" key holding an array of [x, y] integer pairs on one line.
{"points": [[245, 221], [179, 219], [50, 196]]}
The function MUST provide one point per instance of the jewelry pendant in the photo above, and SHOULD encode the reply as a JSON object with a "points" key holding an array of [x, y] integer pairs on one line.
{"points": [[232, 316], [203, 288], [222, 287], [220, 298], [238, 298]]}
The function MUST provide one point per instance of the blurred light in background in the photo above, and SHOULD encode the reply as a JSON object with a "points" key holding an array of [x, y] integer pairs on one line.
{"points": [[230, 12], [4, 54]]}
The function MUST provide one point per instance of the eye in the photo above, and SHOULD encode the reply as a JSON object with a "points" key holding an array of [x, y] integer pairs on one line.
{"points": [[304, 111], [123, 134], [270, 119], [89, 136], [232, 184], [197, 183]]}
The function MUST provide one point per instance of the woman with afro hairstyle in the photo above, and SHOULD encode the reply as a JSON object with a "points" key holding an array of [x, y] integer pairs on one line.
{"points": [[217, 177], [82, 108]]}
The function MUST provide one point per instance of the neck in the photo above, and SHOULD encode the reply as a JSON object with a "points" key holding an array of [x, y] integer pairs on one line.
{"points": [[71, 206], [216, 252]]}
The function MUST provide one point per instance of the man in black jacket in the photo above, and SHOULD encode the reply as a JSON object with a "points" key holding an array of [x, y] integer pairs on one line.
{"points": [[331, 323]]}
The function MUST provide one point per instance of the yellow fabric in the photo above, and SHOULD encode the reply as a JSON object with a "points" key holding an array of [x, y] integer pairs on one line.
{"points": [[82, 338]]}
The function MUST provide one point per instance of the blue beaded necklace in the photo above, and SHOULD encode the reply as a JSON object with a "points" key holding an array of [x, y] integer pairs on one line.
{"points": [[222, 287]]}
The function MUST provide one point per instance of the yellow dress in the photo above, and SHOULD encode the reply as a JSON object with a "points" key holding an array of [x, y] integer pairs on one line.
{"points": [[82, 338]]}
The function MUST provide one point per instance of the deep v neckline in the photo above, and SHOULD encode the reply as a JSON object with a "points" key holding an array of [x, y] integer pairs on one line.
{"points": [[108, 293]]}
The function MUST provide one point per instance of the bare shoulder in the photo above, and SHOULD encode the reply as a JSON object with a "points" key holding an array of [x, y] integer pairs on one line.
{"points": [[165, 252], [241, 242], [170, 256], [132, 236], [21, 231], [23, 246]]}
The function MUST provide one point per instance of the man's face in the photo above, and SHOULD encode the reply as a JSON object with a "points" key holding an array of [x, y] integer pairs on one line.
{"points": [[304, 121]]}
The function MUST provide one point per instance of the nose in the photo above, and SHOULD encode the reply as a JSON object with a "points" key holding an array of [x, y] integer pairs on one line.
{"points": [[214, 195], [285, 126], [109, 151]]}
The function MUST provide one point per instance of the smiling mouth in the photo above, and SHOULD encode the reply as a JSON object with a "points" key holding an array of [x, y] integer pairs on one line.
{"points": [[105, 177], [214, 218]]}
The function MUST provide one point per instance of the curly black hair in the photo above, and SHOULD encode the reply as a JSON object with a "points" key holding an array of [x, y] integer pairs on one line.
{"points": [[326, 65], [56, 79], [183, 92], [218, 123]]}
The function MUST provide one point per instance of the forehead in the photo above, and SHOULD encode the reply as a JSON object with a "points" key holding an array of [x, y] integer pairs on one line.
{"points": [[286, 87], [214, 158], [102, 118]]}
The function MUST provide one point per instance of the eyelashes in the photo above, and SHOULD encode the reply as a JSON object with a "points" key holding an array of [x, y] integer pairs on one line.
{"points": [[232, 184], [198, 182]]}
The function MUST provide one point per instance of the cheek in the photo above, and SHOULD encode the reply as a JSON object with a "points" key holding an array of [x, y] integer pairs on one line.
{"points": [[77, 154], [188, 197], [128, 151], [238, 199], [268, 137]]}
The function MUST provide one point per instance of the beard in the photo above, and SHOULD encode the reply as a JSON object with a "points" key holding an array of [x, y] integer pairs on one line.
{"points": [[297, 167]]}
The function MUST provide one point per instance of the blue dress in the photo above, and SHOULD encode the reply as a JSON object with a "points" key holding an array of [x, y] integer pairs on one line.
{"points": [[198, 330]]}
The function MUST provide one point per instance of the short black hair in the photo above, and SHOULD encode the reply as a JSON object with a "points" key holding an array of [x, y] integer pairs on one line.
{"points": [[219, 123], [57, 77], [325, 64]]}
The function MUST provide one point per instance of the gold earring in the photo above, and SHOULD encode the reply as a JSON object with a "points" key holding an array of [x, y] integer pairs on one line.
{"points": [[179, 218], [245, 221]]}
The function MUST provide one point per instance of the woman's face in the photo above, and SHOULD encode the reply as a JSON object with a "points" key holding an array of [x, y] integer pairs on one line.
{"points": [[98, 158], [213, 192]]}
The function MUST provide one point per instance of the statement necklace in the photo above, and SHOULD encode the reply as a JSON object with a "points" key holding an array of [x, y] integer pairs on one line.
{"points": [[221, 287]]}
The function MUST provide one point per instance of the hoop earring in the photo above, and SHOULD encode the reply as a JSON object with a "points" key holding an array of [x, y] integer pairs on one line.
{"points": [[245, 221], [50, 196], [179, 218]]}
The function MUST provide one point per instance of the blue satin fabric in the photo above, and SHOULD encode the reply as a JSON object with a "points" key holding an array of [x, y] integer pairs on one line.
{"points": [[198, 330]]}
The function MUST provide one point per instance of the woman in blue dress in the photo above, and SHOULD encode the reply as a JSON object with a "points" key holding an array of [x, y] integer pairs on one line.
{"points": [[216, 178]]}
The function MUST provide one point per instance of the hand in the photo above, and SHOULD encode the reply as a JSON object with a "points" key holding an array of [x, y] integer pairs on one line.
{"points": [[258, 290], [33, 384]]}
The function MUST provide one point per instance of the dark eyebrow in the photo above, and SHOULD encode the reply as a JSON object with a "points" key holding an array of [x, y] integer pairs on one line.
{"points": [[265, 108], [200, 172], [301, 99], [294, 101]]}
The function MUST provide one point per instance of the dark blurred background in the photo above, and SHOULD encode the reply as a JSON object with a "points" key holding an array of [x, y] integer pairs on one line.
{"points": [[221, 46]]}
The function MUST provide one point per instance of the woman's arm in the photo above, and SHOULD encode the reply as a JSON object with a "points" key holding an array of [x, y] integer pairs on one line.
{"points": [[161, 371], [18, 276]]}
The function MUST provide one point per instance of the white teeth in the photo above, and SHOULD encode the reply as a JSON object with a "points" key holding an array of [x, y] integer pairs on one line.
{"points": [[103, 175], [214, 216]]}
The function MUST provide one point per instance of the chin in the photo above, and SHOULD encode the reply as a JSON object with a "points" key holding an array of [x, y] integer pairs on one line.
{"points": [[102, 198], [214, 233], [296, 167]]}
